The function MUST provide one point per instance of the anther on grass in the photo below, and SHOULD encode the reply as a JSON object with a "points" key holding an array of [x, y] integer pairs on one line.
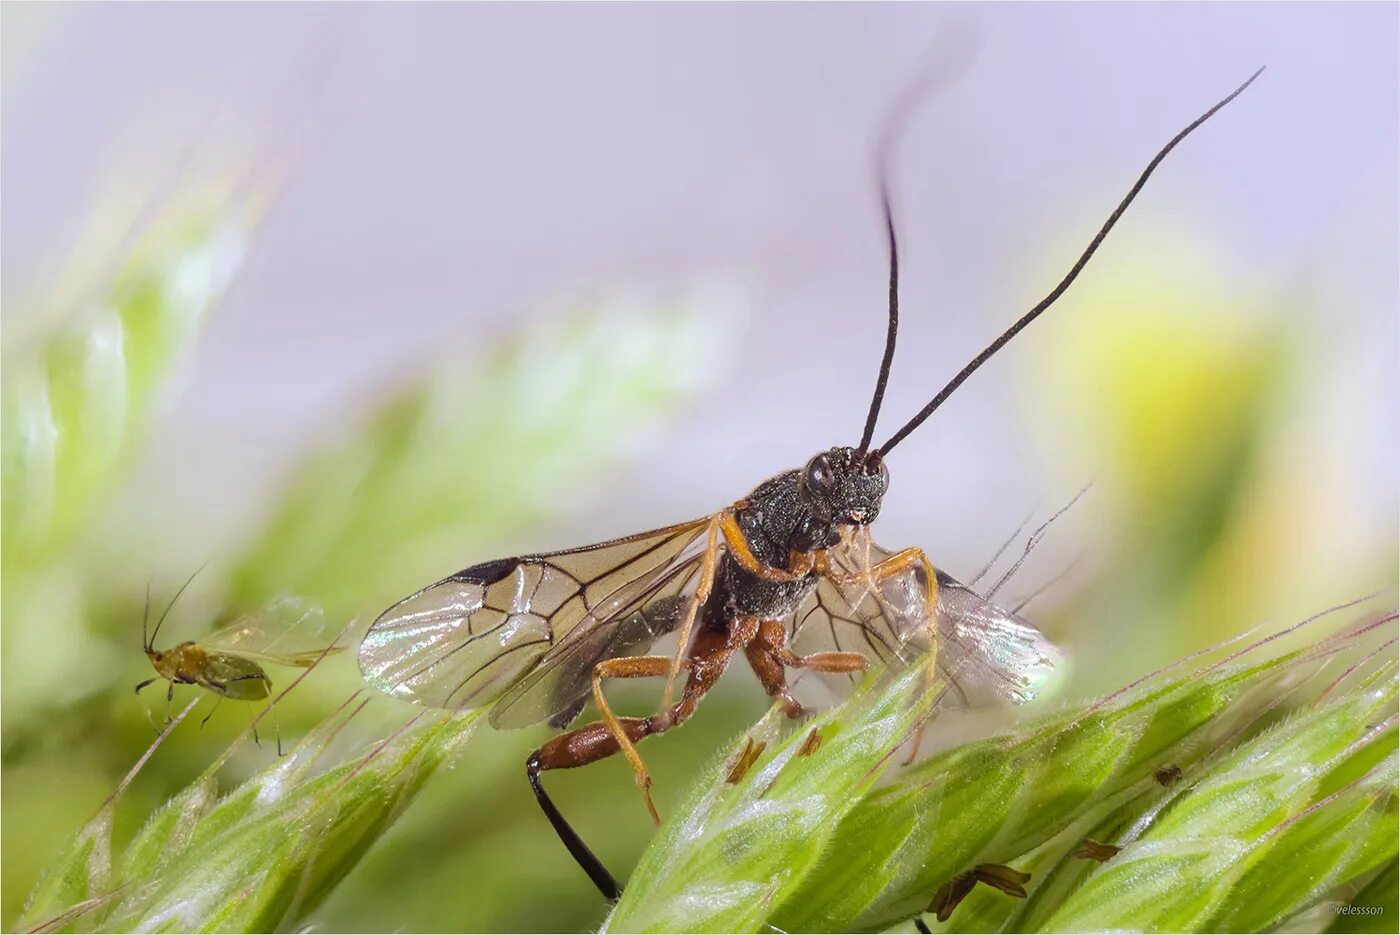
{"points": [[745, 760], [1089, 849], [1010, 881]]}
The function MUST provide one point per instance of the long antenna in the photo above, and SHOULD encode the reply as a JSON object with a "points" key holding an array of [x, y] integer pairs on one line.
{"points": [[145, 616], [888, 359], [152, 641], [944, 64], [1064, 284]]}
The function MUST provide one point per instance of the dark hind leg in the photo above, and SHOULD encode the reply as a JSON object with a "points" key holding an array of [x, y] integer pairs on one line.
{"points": [[577, 748], [708, 657]]}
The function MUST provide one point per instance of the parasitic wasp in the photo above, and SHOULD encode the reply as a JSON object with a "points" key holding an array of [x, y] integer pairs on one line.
{"points": [[788, 577], [229, 663]]}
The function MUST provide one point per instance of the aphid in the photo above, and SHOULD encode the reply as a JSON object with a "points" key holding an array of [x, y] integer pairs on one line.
{"points": [[229, 663], [788, 577]]}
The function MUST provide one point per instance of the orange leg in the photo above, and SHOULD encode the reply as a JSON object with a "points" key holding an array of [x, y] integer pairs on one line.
{"points": [[697, 600], [769, 657], [764, 653], [709, 656], [633, 667], [902, 561]]}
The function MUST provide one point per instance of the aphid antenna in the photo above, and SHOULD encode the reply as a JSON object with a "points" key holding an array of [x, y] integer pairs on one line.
{"points": [[1038, 309], [145, 616], [151, 640]]}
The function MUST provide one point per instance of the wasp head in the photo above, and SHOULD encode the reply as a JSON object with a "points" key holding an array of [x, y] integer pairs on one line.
{"points": [[844, 486]]}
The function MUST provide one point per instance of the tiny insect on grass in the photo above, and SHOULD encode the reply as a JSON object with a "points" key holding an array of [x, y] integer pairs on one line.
{"points": [[788, 576], [229, 663]]}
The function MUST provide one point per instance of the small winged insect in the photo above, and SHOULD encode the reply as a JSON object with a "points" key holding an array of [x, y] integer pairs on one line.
{"points": [[787, 577], [229, 663]]}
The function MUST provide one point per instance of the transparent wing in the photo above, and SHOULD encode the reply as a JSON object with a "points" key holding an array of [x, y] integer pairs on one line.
{"points": [[234, 676], [985, 653], [469, 638], [558, 687], [284, 633]]}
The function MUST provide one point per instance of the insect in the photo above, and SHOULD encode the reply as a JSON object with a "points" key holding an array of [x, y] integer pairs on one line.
{"points": [[788, 578], [229, 663]]}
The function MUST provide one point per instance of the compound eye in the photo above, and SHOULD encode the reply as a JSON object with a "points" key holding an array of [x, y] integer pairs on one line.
{"points": [[820, 478]]}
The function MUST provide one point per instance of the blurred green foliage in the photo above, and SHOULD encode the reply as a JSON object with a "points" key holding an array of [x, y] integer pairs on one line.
{"points": [[1182, 392], [260, 858], [481, 443]]}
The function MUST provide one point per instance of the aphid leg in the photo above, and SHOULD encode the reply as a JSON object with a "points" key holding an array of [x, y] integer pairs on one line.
{"points": [[169, 699], [276, 726], [217, 701], [222, 687], [145, 683]]}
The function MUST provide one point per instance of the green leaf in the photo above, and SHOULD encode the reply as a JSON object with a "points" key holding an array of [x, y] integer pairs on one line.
{"points": [[81, 872], [76, 404], [1258, 837], [992, 801], [735, 849], [1373, 908], [267, 854], [805, 843]]}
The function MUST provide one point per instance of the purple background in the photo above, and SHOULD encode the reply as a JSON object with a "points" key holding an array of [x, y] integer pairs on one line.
{"points": [[450, 165]]}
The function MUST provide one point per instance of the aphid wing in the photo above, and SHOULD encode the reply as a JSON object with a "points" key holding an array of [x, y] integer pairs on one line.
{"points": [[294, 660], [233, 676], [309, 658], [464, 641], [266, 634]]}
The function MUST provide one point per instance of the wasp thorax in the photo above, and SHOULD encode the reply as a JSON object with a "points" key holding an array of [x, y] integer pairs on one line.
{"points": [[845, 486]]}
